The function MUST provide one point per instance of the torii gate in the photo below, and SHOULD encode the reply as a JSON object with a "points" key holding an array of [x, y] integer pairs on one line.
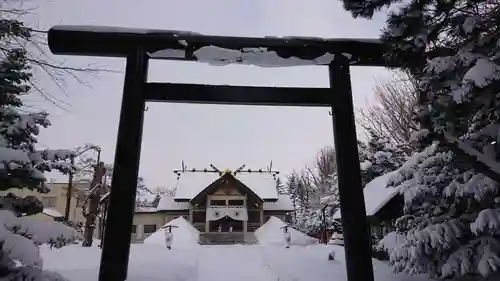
{"points": [[138, 46]]}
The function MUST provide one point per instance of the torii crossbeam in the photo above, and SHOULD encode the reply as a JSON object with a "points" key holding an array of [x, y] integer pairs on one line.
{"points": [[138, 46]]}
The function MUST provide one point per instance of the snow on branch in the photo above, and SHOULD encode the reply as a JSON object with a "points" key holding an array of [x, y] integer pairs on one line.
{"points": [[21, 236], [20, 168], [486, 263], [391, 241], [482, 162], [21, 165], [487, 221], [475, 185]]}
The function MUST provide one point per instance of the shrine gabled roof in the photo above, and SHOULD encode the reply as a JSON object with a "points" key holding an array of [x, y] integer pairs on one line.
{"points": [[191, 184], [236, 184], [263, 184], [216, 50]]}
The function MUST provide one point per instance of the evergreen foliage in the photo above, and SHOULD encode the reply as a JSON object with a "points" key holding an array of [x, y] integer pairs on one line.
{"points": [[23, 166], [450, 226]]}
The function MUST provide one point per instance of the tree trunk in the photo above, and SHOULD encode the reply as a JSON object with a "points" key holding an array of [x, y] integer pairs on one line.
{"points": [[93, 200], [91, 218]]}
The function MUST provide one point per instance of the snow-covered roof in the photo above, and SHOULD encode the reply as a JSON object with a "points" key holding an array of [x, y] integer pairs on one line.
{"points": [[376, 194], [52, 213], [263, 184], [191, 184], [284, 203], [146, 210], [167, 203]]}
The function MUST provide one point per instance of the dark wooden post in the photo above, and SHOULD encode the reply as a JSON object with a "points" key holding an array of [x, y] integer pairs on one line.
{"points": [[352, 204], [70, 190], [116, 246], [323, 211]]}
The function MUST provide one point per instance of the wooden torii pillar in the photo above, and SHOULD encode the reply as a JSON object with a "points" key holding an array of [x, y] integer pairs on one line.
{"points": [[138, 46]]}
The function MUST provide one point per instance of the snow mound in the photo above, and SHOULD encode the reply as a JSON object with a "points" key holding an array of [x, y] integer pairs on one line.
{"points": [[185, 235], [271, 233]]}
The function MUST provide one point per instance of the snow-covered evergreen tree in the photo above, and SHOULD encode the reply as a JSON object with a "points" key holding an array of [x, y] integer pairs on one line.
{"points": [[291, 189], [450, 224], [379, 156], [452, 213], [313, 189], [280, 187], [22, 166]]}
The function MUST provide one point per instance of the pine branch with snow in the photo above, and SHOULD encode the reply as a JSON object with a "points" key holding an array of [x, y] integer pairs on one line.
{"points": [[21, 165]]}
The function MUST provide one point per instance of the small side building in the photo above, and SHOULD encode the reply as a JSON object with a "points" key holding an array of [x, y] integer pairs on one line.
{"points": [[54, 202], [383, 206], [217, 203]]}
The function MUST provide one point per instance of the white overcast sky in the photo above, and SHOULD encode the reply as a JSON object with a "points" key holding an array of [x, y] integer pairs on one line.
{"points": [[226, 136]]}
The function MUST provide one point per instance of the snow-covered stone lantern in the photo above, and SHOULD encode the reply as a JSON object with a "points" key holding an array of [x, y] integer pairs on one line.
{"points": [[287, 236], [169, 236]]}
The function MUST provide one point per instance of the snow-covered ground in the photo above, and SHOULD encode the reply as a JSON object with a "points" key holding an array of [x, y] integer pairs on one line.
{"points": [[214, 263], [188, 261]]}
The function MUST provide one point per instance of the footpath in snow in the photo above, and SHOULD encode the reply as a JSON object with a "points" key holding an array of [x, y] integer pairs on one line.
{"points": [[234, 262]]}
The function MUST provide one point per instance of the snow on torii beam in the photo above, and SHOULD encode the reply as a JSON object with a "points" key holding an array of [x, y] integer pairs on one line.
{"points": [[180, 45], [218, 50], [138, 46]]}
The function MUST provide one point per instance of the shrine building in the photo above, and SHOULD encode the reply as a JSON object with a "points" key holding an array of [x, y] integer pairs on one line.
{"points": [[217, 203]]}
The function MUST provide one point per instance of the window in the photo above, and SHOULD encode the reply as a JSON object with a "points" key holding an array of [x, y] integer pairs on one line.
{"points": [[254, 216], [49, 201], [199, 216], [236, 203], [149, 228], [218, 202], [133, 235]]}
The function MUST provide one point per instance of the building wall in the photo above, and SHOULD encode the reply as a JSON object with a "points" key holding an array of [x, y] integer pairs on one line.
{"points": [[55, 199], [146, 223], [279, 214]]}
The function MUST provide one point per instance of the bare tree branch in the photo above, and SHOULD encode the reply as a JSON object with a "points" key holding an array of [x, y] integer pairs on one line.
{"points": [[16, 35], [393, 114]]}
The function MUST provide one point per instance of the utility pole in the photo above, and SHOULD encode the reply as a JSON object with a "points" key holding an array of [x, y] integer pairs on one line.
{"points": [[70, 189]]}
